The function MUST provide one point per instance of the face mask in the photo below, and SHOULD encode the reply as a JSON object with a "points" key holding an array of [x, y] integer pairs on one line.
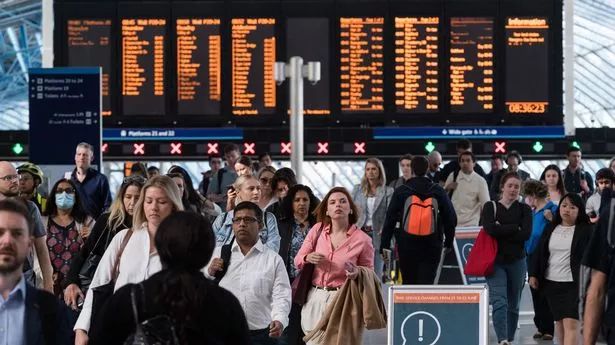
{"points": [[65, 200]]}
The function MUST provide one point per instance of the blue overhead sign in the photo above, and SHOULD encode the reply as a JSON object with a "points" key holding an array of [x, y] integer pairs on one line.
{"points": [[161, 134], [479, 132], [65, 109]]}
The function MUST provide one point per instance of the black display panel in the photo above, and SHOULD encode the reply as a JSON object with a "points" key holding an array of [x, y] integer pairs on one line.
{"points": [[471, 65], [253, 58], [88, 45], [199, 66], [309, 39], [416, 64], [361, 64], [143, 60], [527, 65]]}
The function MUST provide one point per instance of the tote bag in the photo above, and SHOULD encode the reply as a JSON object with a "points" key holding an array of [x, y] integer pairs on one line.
{"points": [[482, 256]]}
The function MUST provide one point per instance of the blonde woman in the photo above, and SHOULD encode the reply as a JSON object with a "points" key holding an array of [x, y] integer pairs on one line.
{"points": [[108, 225], [158, 199], [372, 198], [247, 188]]}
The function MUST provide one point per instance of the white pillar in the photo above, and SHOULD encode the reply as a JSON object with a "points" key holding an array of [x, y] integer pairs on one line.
{"points": [[296, 116], [569, 68], [47, 29]]}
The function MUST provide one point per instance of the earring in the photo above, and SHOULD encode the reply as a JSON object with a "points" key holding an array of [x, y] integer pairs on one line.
{"points": [[350, 211]]}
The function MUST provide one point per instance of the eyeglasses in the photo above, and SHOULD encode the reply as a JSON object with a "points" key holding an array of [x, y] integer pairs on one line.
{"points": [[10, 178], [69, 190], [247, 220], [135, 179]]}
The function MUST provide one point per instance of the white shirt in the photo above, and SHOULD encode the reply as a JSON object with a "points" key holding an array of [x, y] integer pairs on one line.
{"points": [[469, 197], [371, 201], [136, 265], [560, 245], [260, 283]]}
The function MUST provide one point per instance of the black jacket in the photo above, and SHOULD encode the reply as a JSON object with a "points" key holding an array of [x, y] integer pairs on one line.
{"points": [[285, 227], [395, 212], [580, 240], [48, 321], [100, 228], [220, 321], [514, 228]]}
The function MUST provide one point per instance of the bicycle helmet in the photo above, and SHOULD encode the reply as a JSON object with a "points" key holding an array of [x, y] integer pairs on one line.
{"points": [[32, 169]]}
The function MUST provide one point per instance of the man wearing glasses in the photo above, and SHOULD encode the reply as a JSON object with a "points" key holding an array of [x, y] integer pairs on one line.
{"points": [[223, 178], [9, 188], [92, 186], [255, 274]]}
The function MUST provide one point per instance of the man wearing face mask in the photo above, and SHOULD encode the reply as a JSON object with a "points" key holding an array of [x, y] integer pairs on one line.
{"points": [[9, 188]]}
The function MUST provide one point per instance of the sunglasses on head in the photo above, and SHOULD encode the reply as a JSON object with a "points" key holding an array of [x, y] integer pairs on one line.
{"points": [[135, 179]]}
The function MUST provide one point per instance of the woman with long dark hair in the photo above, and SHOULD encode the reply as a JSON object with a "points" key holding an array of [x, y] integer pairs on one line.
{"points": [[107, 226], [552, 177], [67, 225], [556, 265], [192, 200], [201, 312]]}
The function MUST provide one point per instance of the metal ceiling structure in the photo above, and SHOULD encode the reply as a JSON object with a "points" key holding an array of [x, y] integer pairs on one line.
{"points": [[594, 46]]}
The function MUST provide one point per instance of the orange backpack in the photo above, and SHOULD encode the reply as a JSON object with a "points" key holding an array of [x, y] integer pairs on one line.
{"points": [[420, 215]]}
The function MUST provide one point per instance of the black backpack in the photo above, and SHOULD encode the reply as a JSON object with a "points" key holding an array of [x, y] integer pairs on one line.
{"points": [[158, 330], [225, 255]]}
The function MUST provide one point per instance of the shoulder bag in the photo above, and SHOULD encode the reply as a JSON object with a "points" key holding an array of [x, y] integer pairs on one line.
{"points": [[481, 259], [303, 282], [103, 293]]}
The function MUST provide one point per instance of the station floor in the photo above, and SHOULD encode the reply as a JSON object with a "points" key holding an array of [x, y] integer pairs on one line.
{"points": [[523, 337]]}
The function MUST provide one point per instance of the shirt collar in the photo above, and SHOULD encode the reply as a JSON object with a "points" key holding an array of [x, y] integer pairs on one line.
{"points": [[19, 291], [259, 246], [467, 177]]}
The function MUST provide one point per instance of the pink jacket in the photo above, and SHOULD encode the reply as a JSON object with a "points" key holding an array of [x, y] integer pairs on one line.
{"points": [[357, 249]]}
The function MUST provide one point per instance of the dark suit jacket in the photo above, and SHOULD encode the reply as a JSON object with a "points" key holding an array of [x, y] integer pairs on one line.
{"points": [[48, 320]]}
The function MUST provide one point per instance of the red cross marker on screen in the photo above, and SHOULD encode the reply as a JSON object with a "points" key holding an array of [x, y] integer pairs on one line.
{"points": [[212, 148], [104, 147], [500, 147], [359, 148], [323, 148], [176, 148], [249, 149], [139, 149], [285, 148]]}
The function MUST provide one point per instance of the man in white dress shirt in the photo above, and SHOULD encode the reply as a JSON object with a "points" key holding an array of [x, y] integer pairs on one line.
{"points": [[470, 191], [256, 275]]}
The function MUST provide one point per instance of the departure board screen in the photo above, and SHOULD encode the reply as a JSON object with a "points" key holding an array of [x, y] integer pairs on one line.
{"points": [[89, 46], [527, 83], [471, 65], [253, 58], [309, 38], [199, 64], [362, 64], [143, 59], [416, 64]]}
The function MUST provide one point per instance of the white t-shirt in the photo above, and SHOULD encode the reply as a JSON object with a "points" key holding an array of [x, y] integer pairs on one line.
{"points": [[560, 245], [371, 201]]}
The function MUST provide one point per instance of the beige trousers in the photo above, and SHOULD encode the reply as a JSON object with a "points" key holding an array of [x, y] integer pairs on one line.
{"points": [[314, 308]]}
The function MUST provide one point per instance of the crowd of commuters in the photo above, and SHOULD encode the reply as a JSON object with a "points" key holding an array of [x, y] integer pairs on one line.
{"points": [[215, 264]]}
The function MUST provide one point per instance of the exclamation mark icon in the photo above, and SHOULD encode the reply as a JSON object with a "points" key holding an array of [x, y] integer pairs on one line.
{"points": [[420, 329]]}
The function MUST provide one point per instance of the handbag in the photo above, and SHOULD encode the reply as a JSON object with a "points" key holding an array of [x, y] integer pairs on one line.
{"points": [[86, 273], [303, 282], [101, 294], [481, 259], [158, 330]]}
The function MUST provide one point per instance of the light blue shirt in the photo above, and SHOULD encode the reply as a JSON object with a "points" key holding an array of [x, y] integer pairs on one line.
{"points": [[539, 224], [13, 315], [270, 235]]}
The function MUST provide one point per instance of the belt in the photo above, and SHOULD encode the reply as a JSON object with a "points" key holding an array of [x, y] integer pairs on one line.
{"points": [[325, 288]]}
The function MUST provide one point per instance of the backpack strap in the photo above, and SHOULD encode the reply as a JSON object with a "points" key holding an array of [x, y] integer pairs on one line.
{"points": [[455, 175], [116, 266], [225, 255], [220, 174]]}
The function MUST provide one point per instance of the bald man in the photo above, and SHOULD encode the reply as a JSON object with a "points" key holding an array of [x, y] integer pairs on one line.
{"points": [[9, 188], [435, 160]]}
